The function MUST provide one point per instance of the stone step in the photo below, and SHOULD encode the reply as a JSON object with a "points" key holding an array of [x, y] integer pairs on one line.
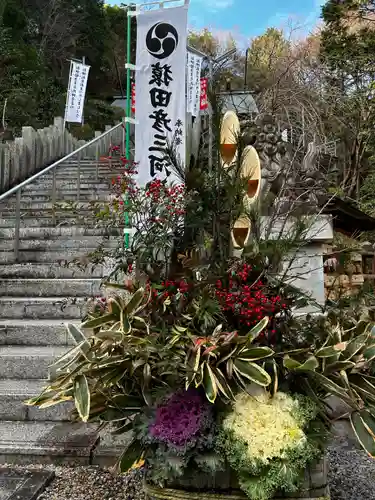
{"points": [[31, 233], [61, 243], [28, 362], [13, 394], [46, 442], [8, 206], [36, 287], [30, 221], [110, 447], [64, 197], [68, 185], [35, 332], [42, 308], [49, 270], [86, 174], [115, 163], [84, 218], [88, 169], [33, 256], [89, 163], [44, 219]]}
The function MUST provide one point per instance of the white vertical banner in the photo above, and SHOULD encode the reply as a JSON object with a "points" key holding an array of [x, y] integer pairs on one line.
{"points": [[160, 98], [194, 66], [75, 98]]}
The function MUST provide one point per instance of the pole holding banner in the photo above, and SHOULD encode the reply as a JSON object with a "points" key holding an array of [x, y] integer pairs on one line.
{"points": [[160, 96], [84, 63], [67, 92], [134, 10]]}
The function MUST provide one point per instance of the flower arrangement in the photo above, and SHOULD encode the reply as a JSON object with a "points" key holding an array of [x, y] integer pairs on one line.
{"points": [[200, 356]]}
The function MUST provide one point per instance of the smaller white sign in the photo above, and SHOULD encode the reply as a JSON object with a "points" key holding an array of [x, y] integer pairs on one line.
{"points": [[194, 66], [76, 92]]}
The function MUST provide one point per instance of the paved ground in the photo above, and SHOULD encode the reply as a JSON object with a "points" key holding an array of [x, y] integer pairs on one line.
{"points": [[23, 485]]}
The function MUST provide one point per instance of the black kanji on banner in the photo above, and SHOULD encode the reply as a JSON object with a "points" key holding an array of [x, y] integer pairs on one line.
{"points": [[161, 75], [160, 99]]}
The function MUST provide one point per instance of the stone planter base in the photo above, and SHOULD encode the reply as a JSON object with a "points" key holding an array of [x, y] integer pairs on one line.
{"points": [[154, 493], [315, 487]]}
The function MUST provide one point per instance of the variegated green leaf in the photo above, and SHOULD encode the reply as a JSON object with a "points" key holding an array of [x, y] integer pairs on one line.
{"points": [[78, 336], [135, 301], [255, 353], [125, 323], [96, 322], [45, 396], [331, 387], [115, 306], [356, 345], [229, 368], [252, 372], [217, 331], [124, 402], [193, 366], [82, 397], [180, 329], [130, 456], [209, 383], [327, 352], [222, 384], [369, 353], [55, 401], [257, 330], [69, 357], [290, 364], [311, 364], [365, 439], [113, 335], [147, 375], [339, 366], [369, 422], [275, 377], [365, 388]]}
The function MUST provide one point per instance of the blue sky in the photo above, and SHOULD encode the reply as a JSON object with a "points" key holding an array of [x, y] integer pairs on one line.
{"points": [[248, 18]]}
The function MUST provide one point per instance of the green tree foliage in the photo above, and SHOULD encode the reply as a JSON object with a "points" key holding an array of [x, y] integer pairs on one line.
{"points": [[347, 48], [37, 39], [231, 69], [266, 55]]}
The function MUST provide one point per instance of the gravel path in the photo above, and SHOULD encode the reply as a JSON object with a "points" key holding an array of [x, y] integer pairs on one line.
{"points": [[352, 473], [352, 477]]}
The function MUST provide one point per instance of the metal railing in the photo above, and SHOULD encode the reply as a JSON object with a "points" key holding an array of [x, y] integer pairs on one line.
{"points": [[95, 148]]}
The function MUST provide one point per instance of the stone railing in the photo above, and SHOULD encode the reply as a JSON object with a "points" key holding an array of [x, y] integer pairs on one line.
{"points": [[36, 149]]}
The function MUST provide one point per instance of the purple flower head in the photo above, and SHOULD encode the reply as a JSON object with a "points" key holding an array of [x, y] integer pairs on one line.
{"points": [[183, 418]]}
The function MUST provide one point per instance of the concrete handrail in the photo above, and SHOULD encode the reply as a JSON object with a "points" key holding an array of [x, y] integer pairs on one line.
{"points": [[57, 163], [104, 138]]}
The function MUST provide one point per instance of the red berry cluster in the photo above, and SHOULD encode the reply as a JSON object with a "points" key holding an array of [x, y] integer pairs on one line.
{"points": [[247, 300], [155, 189], [169, 199]]}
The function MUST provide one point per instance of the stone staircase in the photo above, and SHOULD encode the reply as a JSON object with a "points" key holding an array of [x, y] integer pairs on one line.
{"points": [[37, 296]]}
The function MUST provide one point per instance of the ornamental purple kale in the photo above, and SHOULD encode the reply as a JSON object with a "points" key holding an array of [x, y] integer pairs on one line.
{"points": [[182, 420]]}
